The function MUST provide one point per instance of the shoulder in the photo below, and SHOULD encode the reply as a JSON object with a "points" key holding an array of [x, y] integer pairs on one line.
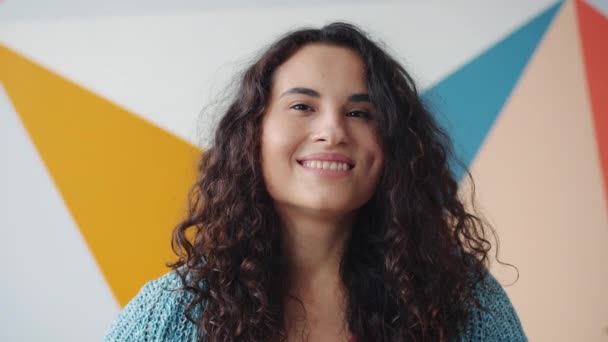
{"points": [[157, 312], [496, 319]]}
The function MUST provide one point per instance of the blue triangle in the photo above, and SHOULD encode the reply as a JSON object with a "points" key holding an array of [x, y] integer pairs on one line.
{"points": [[467, 102]]}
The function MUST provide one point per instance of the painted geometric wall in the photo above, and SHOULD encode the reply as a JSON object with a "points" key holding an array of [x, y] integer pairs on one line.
{"points": [[101, 127]]}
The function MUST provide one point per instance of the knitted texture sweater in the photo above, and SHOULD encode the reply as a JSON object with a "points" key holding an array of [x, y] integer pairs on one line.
{"points": [[157, 313]]}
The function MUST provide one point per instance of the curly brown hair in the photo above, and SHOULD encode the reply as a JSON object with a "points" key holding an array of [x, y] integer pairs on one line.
{"points": [[415, 253]]}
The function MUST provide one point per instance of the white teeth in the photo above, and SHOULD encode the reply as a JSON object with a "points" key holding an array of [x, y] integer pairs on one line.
{"points": [[326, 165]]}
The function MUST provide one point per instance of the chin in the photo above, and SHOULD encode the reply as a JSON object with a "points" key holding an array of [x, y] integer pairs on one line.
{"points": [[330, 207]]}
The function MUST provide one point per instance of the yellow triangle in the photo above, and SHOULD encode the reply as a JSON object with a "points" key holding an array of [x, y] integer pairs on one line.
{"points": [[124, 180]]}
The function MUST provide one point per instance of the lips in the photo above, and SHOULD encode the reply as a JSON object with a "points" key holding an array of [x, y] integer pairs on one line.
{"points": [[329, 157]]}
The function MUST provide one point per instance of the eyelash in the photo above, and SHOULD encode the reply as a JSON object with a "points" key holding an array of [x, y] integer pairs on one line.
{"points": [[366, 115], [299, 106]]}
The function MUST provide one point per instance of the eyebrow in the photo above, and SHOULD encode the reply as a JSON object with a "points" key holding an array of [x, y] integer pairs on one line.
{"points": [[359, 97]]}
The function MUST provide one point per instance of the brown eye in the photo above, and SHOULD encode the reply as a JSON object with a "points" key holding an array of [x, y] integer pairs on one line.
{"points": [[359, 114], [301, 106]]}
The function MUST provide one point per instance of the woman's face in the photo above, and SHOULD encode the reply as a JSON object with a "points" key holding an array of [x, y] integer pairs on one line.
{"points": [[320, 150]]}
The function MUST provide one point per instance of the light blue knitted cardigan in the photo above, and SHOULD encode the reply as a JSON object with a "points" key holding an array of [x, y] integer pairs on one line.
{"points": [[158, 314]]}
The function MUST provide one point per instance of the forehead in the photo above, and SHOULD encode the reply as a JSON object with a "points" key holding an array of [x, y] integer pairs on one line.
{"points": [[326, 68]]}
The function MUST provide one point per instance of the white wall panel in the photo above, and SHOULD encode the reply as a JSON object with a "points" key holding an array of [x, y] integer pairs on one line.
{"points": [[51, 288], [167, 67]]}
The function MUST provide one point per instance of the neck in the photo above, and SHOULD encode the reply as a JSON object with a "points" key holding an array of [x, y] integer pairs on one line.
{"points": [[314, 244]]}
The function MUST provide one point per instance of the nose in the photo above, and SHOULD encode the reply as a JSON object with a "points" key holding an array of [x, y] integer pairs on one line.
{"points": [[331, 128]]}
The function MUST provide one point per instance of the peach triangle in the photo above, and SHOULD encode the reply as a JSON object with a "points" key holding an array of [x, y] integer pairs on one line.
{"points": [[539, 182]]}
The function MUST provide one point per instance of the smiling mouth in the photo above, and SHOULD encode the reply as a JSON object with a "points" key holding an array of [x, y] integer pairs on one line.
{"points": [[326, 165]]}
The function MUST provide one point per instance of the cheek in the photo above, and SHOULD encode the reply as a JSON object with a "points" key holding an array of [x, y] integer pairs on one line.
{"points": [[277, 148], [370, 144], [375, 161], [379, 158], [277, 152]]}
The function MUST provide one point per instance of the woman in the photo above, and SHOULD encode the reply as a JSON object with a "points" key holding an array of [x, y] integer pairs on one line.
{"points": [[325, 211]]}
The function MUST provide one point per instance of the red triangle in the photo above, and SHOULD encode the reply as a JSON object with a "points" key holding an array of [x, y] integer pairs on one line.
{"points": [[594, 36]]}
